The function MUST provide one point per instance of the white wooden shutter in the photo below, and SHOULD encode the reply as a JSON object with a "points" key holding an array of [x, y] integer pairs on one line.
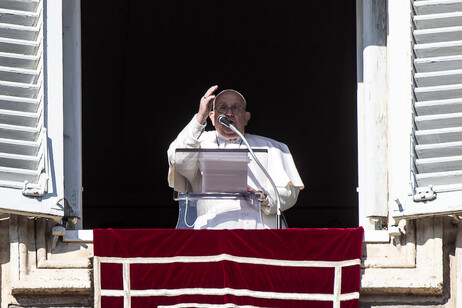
{"points": [[436, 162], [31, 107]]}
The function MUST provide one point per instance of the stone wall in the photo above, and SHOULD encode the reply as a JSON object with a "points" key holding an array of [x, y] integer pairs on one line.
{"points": [[39, 270], [417, 269]]}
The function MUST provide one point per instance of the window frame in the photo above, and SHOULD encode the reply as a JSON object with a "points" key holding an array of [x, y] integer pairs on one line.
{"points": [[52, 203], [402, 203], [372, 131], [399, 201]]}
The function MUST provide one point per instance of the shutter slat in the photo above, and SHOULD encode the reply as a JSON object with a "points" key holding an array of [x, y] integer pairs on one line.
{"points": [[438, 92], [19, 74], [434, 7], [19, 161], [445, 34], [19, 118], [437, 107], [439, 149], [17, 175], [30, 148], [439, 178], [438, 63], [19, 89], [28, 6], [439, 121], [18, 17], [442, 20], [19, 60], [438, 49], [19, 32], [451, 134], [438, 78], [19, 103], [439, 164], [19, 132], [19, 46]]}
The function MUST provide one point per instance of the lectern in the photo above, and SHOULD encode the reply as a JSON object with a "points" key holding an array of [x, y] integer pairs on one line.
{"points": [[216, 180]]}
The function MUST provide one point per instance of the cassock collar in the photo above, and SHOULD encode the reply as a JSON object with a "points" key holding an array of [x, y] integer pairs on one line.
{"points": [[223, 139]]}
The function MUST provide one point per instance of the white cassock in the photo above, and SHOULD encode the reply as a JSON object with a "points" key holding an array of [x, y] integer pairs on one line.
{"points": [[237, 214]]}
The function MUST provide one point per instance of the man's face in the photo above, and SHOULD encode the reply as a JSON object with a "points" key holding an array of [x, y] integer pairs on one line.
{"points": [[232, 106]]}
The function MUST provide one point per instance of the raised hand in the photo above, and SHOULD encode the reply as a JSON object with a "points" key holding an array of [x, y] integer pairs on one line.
{"points": [[206, 105]]}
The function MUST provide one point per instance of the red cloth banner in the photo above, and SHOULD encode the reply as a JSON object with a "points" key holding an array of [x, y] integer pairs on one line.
{"points": [[227, 268]]}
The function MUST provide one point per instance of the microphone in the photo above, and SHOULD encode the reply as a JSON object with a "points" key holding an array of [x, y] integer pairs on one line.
{"points": [[224, 120]]}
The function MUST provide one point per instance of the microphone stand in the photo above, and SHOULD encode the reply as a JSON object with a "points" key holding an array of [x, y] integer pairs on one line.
{"points": [[223, 120]]}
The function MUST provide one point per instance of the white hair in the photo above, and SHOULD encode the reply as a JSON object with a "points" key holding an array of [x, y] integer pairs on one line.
{"points": [[229, 90]]}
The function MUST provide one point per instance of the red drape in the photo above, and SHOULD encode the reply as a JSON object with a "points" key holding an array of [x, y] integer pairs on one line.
{"points": [[261, 268]]}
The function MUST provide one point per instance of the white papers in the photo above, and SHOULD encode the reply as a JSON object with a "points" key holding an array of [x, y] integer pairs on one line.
{"points": [[224, 171]]}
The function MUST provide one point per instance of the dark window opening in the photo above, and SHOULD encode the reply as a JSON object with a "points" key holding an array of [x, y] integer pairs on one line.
{"points": [[145, 65]]}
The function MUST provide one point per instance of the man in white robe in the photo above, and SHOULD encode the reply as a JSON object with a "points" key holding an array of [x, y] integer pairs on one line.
{"points": [[280, 166]]}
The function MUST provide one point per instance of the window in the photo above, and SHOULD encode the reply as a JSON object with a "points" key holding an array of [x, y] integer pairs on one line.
{"points": [[435, 160], [419, 163], [31, 109]]}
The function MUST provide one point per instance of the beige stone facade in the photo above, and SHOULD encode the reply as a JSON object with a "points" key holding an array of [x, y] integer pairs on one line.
{"points": [[419, 268], [37, 274], [417, 264]]}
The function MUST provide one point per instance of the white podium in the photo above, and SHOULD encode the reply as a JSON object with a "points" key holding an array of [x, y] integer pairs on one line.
{"points": [[216, 180]]}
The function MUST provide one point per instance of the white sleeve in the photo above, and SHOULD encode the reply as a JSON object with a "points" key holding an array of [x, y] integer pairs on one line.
{"points": [[288, 195], [188, 138]]}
